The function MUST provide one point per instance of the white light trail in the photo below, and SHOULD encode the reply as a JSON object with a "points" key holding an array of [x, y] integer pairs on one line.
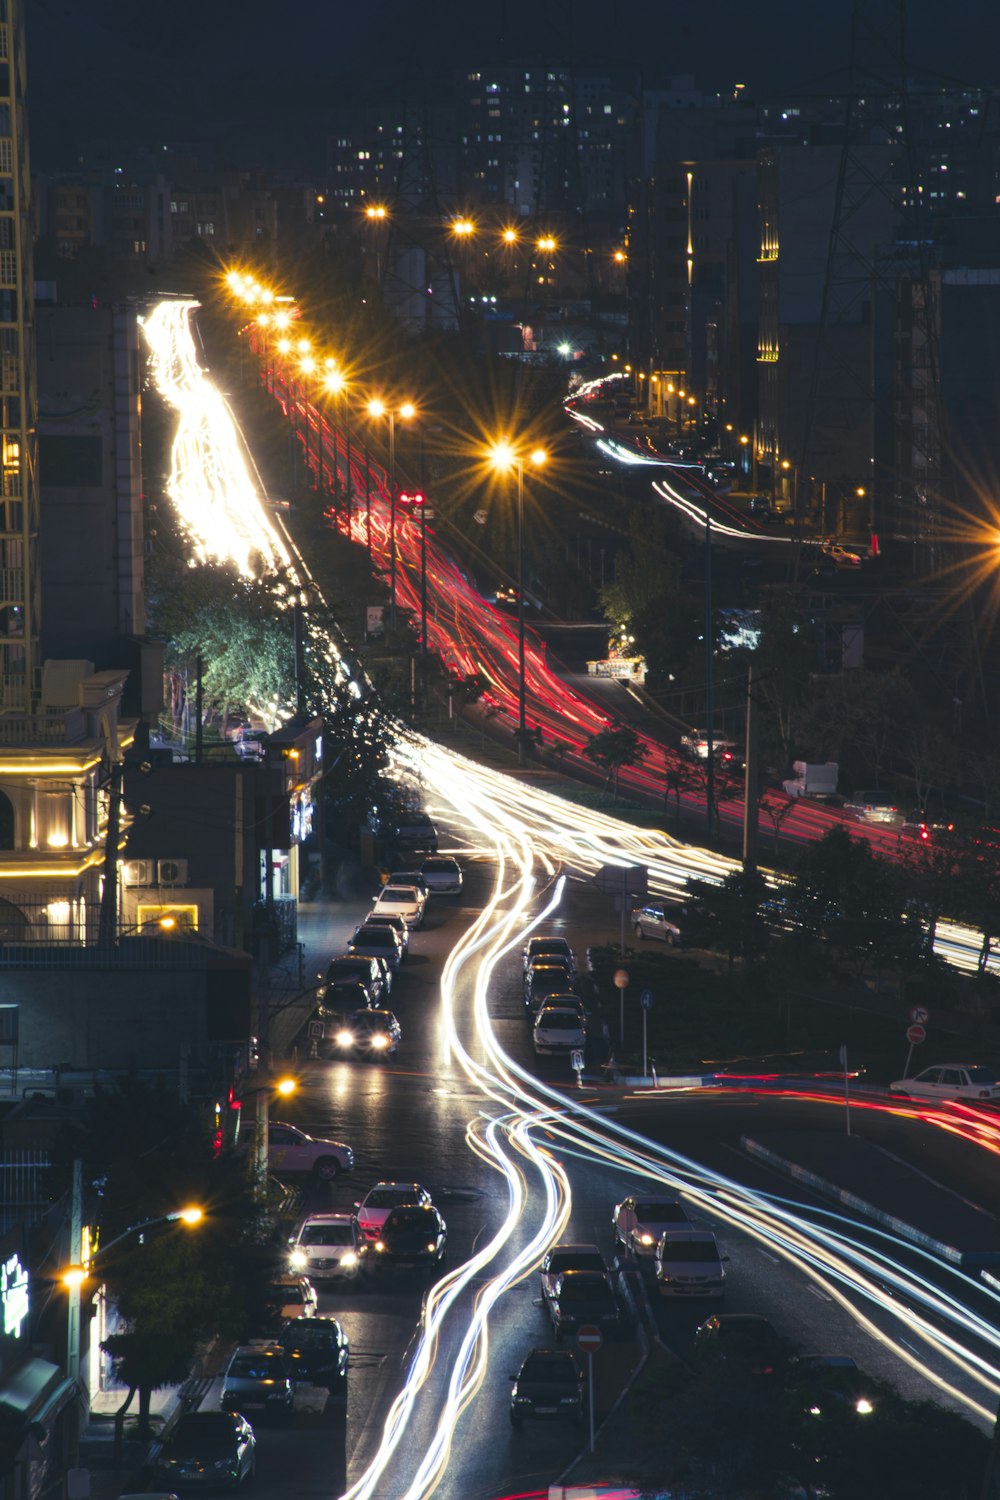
{"points": [[528, 831]]}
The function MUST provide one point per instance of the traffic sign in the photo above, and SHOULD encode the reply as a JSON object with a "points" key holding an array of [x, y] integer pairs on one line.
{"points": [[621, 979], [317, 1030], [915, 1035], [589, 1338], [576, 1060], [646, 999], [920, 1015], [622, 880]]}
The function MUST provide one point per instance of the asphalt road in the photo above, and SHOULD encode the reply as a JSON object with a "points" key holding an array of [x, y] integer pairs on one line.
{"points": [[410, 1118]]}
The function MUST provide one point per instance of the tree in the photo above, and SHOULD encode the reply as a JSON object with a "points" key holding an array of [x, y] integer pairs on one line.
{"points": [[613, 748], [730, 913], [146, 1153]]}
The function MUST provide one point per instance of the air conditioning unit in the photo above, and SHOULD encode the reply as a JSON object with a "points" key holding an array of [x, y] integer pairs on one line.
{"points": [[139, 872], [172, 871]]}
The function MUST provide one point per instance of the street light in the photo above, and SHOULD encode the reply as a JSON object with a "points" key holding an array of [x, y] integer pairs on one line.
{"points": [[283, 1087], [74, 1277], [503, 458], [407, 411]]}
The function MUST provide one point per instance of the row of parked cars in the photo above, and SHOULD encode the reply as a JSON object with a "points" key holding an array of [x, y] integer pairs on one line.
{"points": [[553, 1005], [352, 1007]]}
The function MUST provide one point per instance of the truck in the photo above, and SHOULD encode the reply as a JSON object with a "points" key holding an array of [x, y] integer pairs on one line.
{"points": [[810, 780]]}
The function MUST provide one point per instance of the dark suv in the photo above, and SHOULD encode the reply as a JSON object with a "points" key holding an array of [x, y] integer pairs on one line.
{"points": [[414, 1235], [580, 1297], [548, 1384]]}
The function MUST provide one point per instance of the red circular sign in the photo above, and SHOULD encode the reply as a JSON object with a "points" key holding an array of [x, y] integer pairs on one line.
{"points": [[621, 978], [589, 1337], [915, 1034]]}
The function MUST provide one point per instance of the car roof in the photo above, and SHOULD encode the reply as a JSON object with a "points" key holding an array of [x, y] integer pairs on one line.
{"points": [[344, 1218], [567, 1248], [687, 1236]]}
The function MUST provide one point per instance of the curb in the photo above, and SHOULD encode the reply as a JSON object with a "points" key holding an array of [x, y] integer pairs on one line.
{"points": [[868, 1210]]}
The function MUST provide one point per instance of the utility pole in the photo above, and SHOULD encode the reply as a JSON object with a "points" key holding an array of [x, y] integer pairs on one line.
{"points": [[75, 1259], [751, 812], [709, 634], [199, 691]]}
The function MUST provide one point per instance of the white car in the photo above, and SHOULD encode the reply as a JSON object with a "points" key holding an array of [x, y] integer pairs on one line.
{"points": [[325, 1246], [377, 1204], [570, 1258], [640, 1222], [688, 1264], [950, 1081], [696, 744], [291, 1150], [558, 1029], [293, 1296], [443, 875], [400, 901]]}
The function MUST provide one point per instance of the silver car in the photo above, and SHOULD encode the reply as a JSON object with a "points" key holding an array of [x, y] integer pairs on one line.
{"points": [[326, 1246]]}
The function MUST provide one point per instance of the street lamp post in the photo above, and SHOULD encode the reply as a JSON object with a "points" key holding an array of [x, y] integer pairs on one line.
{"points": [[283, 1087], [378, 408], [504, 458]]}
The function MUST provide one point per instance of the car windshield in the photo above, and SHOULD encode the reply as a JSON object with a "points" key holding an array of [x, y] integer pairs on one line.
{"points": [[660, 1213], [389, 1197], [440, 866], [982, 1075], [349, 968], [576, 1260], [558, 1020], [548, 1367], [697, 1250], [308, 1338], [327, 1234], [203, 1433], [257, 1367], [398, 893], [376, 937], [369, 1020]]}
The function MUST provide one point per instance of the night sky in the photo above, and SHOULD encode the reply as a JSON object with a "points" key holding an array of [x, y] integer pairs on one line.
{"points": [[266, 75]]}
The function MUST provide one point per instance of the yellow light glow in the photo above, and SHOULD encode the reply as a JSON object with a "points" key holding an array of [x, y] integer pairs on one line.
{"points": [[333, 382], [284, 346], [73, 1278], [407, 411], [234, 280], [286, 1086], [502, 456], [307, 365], [692, 401], [376, 407], [620, 256], [58, 841], [463, 227], [784, 462], [191, 1215], [282, 319], [546, 242], [168, 923], [539, 457], [58, 912], [510, 236], [375, 211], [744, 439], [263, 320], [861, 492], [267, 296], [303, 346]]}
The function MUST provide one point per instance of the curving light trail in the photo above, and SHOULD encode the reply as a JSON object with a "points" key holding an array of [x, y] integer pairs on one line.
{"points": [[532, 836]]}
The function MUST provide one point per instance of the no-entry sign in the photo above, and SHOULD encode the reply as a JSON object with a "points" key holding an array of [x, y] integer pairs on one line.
{"points": [[589, 1338], [915, 1034]]}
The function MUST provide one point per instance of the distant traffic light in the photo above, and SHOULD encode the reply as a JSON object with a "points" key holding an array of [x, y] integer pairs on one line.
{"points": [[412, 498]]}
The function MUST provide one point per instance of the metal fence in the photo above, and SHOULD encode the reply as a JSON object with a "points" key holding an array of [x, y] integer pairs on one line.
{"points": [[24, 1195]]}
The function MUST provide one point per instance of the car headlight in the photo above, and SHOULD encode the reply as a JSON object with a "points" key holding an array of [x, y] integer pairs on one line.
{"points": [[345, 1038], [646, 1239], [350, 1259], [864, 1407], [521, 1400], [379, 1247], [298, 1259], [380, 1041], [431, 1246]]}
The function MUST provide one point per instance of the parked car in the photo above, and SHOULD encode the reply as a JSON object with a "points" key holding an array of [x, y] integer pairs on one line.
{"points": [[377, 942], [365, 1033], [318, 1350], [744, 1339], [378, 1202], [640, 1222], [548, 1384], [292, 1296], [542, 981], [416, 831], [950, 1081], [340, 998], [875, 807], [259, 1378], [416, 878], [326, 1246], [412, 1237], [658, 920], [207, 1450], [443, 875], [571, 1258], [831, 1381], [550, 949], [558, 1029], [580, 1297], [398, 925], [358, 969], [688, 1264], [841, 557], [290, 1150], [400, 901]]}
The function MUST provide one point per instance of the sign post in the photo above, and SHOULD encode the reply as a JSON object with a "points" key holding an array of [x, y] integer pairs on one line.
{"points": [[576, 1063], [588, 1339], [621, 985], [847, 1089], [915, 1034], [622, 881], [646, 1001]]}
